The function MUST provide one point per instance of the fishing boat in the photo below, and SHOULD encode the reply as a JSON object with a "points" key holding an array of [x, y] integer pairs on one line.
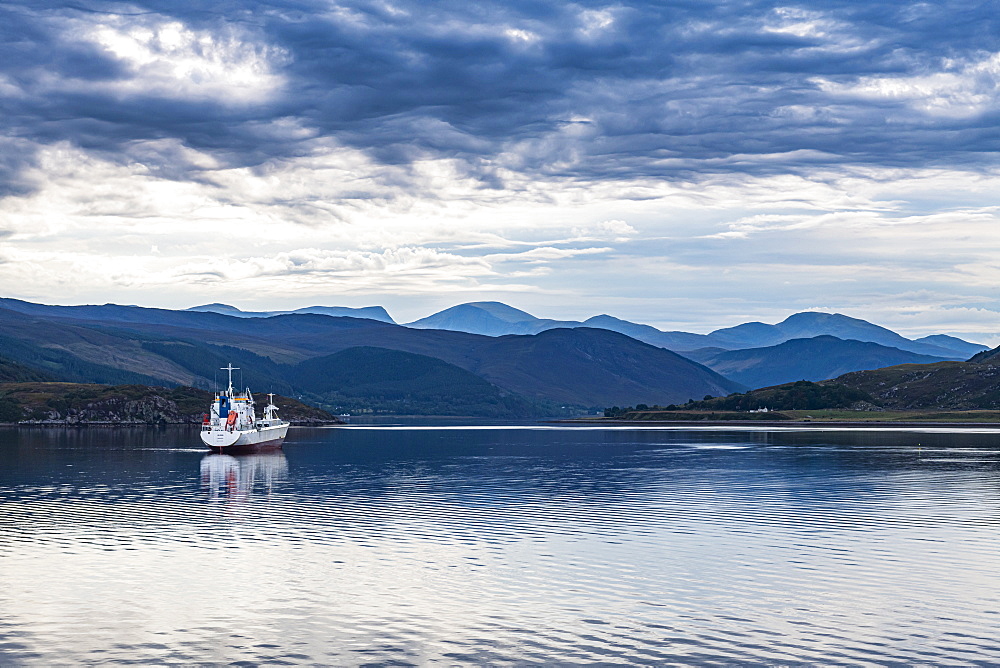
{"points": [[231, 423]]}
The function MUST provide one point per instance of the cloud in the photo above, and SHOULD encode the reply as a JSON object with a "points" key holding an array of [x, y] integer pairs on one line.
{"points": [[734, 155], [612, 230], [958, 90], [561, 91], [169, 60], [312, 264], [544, 254], [302, 272]]}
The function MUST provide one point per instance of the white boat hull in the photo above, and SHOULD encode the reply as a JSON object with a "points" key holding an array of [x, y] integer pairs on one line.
{"points": [[264, 436]]}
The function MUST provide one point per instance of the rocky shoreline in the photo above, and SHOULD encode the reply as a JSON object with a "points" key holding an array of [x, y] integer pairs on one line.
{"points": [[77, 405]]}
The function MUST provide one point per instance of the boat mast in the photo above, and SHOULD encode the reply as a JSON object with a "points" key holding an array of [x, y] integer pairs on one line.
{"points": [[230, 368]]}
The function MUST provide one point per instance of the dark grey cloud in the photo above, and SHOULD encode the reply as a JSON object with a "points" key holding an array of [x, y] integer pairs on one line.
{"points": [[582, 90]]}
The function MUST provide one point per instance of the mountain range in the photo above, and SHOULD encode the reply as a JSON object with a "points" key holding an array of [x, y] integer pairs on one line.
{"points": [[581, 368], [432, 366], [817, 358], [497, 319], [370, 312]]}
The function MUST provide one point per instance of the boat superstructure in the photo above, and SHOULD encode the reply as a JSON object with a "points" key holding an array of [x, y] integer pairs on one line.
{"points": [[231, 422]]}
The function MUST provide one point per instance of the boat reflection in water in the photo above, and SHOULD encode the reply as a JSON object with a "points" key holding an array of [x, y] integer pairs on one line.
{"points": [[238, 478]]}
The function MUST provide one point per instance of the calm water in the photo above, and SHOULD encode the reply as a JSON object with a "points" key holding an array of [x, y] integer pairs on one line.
{"points": [[501, 545]]}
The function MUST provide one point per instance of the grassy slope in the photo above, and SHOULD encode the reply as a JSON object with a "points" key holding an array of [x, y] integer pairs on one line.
{"points": [[70, 352], [13, 372], [942, 386]]}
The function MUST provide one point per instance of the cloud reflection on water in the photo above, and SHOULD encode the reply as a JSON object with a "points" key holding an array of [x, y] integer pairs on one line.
{"points": [[500, 546]]}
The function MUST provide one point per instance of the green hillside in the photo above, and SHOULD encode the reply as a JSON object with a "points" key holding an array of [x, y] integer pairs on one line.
{"points": [[59, 360], [945, 385], [206, 361], [12, 372], [800, 395]]}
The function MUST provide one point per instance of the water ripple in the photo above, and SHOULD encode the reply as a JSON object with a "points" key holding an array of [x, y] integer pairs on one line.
{"points": [[502, 546]]}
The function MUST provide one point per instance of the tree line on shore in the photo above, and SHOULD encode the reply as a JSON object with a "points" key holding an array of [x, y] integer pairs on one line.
{"points": [[800, 395]]}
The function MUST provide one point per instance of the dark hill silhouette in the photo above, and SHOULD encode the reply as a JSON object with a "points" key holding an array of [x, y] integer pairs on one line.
{"points": [[401, 382], [816, 358], [587, 364], [811, 324], [986, 356], [392, 373]]}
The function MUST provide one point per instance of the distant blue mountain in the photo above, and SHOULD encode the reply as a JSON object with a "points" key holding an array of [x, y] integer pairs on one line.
{"points": [[670, 340], [225, 309], [489, 319], [811, 324], [952, 343], [369, 312], [498, 319], [816, 358]]}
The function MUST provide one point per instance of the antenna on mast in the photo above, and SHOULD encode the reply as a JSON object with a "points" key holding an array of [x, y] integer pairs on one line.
{"points": [[230, 368]]}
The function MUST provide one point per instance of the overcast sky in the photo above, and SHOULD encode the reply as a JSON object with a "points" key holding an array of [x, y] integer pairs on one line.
{"points": [[690, 165]]}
